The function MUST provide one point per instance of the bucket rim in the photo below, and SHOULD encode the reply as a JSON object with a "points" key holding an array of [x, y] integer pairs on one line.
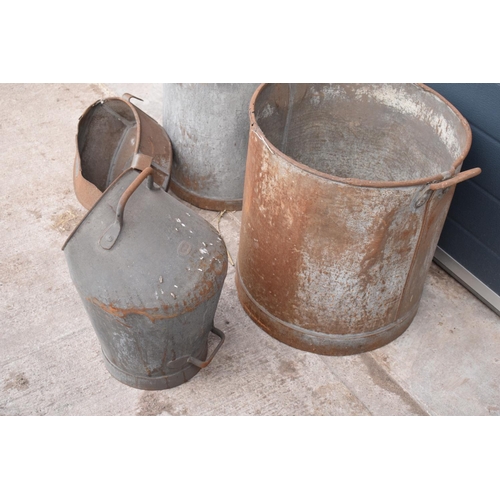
{"points": [[85, 184], [353, 181], [101, 102]]}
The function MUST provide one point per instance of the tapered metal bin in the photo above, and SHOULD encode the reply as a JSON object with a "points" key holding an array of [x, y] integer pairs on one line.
{"points": [[149, 272], [346, 191]]}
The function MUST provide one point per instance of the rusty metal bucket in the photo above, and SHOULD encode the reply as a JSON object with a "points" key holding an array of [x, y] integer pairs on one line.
{"points": [[346, 191], [150, 278], [114, 135], [208, 126]]}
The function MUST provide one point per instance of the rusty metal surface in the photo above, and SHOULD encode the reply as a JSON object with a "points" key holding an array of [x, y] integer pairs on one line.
{"points": [[152, 295], [114, 135], [208, 126], [339, 221]]}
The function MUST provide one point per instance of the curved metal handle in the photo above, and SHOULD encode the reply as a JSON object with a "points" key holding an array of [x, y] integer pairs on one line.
{"points": [[204, 364], [128, 96], [462, 176], [108, 239]]}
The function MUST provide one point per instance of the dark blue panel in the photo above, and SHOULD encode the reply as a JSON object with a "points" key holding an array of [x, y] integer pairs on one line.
{"points": [[485, 153], [472, 254], [478, 102], [478, 213], [471, 234]]}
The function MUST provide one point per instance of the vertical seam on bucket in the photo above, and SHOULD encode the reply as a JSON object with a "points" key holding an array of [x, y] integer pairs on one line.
{"points": [[415, 253]]}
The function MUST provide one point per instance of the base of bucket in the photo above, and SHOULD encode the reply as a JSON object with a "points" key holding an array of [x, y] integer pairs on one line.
{"points": [[155, 383], [205, 203], [320, 343]]}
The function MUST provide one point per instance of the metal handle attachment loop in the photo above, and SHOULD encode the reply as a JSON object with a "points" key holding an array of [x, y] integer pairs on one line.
{"points": [[204, 364], [128, 96], [108, 239], [462, 176], [424, 194]]}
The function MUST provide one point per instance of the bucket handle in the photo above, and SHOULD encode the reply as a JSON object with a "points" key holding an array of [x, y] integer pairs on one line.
{"points": [[204, 364], [177, 364], [462, 176], [128, 96], [108, 239]]}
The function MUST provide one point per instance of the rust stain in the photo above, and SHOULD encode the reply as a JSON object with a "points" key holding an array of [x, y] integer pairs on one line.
{"points": [[152, 314], [435, 213], [328, 229], [270, 263], [204, 290]]}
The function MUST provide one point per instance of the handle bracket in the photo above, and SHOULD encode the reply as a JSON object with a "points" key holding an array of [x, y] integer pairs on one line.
{"points": [[462, 176], [424, 194], [204, 364], [179, 363], [128, 96], [109, 237]]}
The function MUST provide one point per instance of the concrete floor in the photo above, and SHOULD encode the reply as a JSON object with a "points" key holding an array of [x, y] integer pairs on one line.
{"points": [[446, 363]]}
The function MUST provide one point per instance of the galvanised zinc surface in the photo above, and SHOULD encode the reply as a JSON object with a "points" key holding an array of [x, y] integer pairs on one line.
{"points": [[152, 297], [208, 125]]}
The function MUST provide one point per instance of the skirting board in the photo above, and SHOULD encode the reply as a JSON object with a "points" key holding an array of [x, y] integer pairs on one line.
{"points": [[468, 280]]}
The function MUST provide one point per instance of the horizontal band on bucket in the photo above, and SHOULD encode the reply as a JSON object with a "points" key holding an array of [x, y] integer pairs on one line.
{"points": [[154, 383], [342, 337], [202, 202]]}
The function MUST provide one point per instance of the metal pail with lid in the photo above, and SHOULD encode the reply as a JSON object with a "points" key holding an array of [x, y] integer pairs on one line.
{"points": [[149, 272], [347, 188]]}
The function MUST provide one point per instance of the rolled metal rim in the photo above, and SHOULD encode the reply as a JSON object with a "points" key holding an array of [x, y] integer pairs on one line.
{"points": [[153, 383], [202, 201], [86, 191], [126, 99], [81, 184], [254, 126]]}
